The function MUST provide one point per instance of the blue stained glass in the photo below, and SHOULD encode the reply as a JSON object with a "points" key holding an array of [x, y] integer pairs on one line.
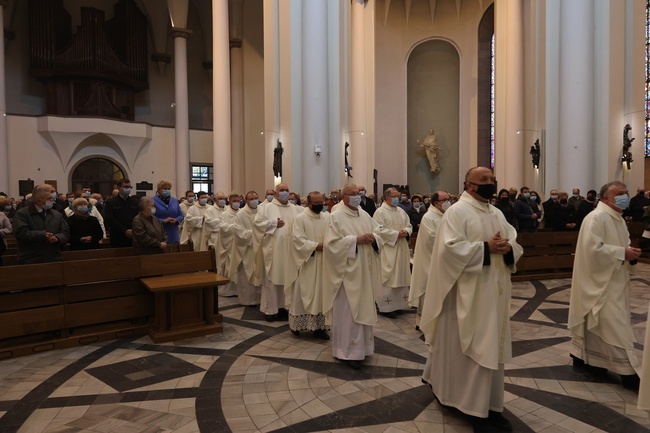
{"points": [[647, 78]]}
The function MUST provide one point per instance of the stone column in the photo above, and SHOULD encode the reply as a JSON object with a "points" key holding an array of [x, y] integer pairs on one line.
{"points": [[315, 101], [178, 15], [5, 178], [510, 129], [237, 95], [357, 113], [221, 140], [576, 87]]}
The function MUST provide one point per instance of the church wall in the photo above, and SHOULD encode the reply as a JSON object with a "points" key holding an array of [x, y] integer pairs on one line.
{"points": [[394, 40]]}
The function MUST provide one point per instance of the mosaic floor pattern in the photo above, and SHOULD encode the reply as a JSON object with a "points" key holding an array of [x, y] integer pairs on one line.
{"points": [[258, 377]]}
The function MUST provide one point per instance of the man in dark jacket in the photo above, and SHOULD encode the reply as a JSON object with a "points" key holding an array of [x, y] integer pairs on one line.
{"points": [[119, 212], [366, 204], [526, 218], [638, 203], [40, 230]]}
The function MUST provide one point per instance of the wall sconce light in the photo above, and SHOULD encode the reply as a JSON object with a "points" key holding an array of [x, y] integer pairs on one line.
{"points": [[519, 131], [627, 143]]}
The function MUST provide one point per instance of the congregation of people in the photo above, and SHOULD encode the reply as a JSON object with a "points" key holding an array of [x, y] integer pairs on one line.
{"points": [[333, 262]]}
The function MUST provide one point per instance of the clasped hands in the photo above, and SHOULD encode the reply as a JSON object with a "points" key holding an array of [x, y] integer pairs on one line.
{"points": [[365, 239], [499, 245], [632, 253]]}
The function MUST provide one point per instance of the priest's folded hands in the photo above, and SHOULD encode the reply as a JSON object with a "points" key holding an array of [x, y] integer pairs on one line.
{"points": [[499, 245], [366, 238]]}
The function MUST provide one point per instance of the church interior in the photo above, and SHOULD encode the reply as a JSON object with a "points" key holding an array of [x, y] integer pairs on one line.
{"points": [[212, 94]]}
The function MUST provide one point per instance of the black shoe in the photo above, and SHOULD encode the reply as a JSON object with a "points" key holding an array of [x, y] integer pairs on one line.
{"points": [[630, 381], [577, 362], [271, 317], [354, 364], [321, 334], [296, 333], [417, 328], [283, 315], [498, 420]]}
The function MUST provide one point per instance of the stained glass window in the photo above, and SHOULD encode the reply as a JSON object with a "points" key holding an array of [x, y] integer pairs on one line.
{"points": [[647, 78], [492, 68]]}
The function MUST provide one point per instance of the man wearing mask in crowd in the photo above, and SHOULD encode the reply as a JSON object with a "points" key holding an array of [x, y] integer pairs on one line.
{"points": [[352, 243], [40, 231], [335, 198], [576, 198], [245, 264], [423, 250], [404, 201], [548, 205], [586, 206], [526, 218], [269, 195], [200, 221], [273, 229], [599, 309], [393, 290], [98, 202], [366, 204], [223, 246], [305, 296], [119, 212]]}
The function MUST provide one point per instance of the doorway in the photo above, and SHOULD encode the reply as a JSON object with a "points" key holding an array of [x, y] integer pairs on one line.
{"points": [[98, 174]]}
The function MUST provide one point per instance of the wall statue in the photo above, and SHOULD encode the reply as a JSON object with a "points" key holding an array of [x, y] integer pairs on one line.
{"points": [[432, 150]]}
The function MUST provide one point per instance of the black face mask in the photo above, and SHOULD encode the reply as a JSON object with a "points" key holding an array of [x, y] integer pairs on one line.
{"points": [[504, 199], [317, 208], [563, 201], [486, 191], [591, 198]]}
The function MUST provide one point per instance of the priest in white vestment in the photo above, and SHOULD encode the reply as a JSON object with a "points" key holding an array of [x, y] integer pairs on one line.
{"points": [[200, 221], [245, 264], [466, 314], [352, 273], [305, 296], [273, 228], [223, 246], [393, 291], [424, 249], [269, 196], [190, 199], [599, 310]]}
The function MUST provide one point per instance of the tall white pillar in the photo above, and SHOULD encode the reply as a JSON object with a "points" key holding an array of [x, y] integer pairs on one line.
{"points": [[178, 16], [221, 140], [5, 179], [357, 112], [237, 124], [576, 87], [315, 119], [510, 129], [182, 130]]}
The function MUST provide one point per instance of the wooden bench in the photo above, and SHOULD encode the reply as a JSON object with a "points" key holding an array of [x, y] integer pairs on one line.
{"points": [[185, 289], [76, 302], [546, 255]]}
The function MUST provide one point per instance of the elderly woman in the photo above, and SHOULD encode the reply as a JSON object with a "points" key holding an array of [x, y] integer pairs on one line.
{"points": [[5, 225], [168, 211], [149, 237], [85, 230]]}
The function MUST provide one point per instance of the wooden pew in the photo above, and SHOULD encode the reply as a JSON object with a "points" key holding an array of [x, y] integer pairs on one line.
{"points": [[185, 288], [546, 255]]}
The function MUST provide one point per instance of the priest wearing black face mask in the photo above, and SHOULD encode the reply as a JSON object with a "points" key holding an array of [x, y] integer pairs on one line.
{"points": [[465, 318], [306, 297]]}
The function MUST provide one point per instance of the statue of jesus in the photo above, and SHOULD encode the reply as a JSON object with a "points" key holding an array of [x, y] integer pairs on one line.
{"points": [[431, 147]]}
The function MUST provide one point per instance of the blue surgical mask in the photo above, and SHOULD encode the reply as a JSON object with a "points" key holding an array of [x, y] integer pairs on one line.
{"points": [[48, 204], [54, 196], [235, 205], [83, 210], [270, 197], [166, 192], [292, 202], [221, 203], [203, 201], [622, 201], [127, 191], [283, 195], [325, 208], [526, 195], [7, 208], [394, 201], [253, 203], [191, 199], [355, 200]]}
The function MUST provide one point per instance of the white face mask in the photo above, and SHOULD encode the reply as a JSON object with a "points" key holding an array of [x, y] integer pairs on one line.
{"points": [[253, 203], [235, 205], [445, 205], [203, 201], [221, 203]]}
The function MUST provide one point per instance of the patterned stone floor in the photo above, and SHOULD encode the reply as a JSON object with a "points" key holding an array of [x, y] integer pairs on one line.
{"points": [[258, 377]]}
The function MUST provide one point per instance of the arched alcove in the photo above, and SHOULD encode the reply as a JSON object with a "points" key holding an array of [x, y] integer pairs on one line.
{"points": [[100, 174], [433, 92]]}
